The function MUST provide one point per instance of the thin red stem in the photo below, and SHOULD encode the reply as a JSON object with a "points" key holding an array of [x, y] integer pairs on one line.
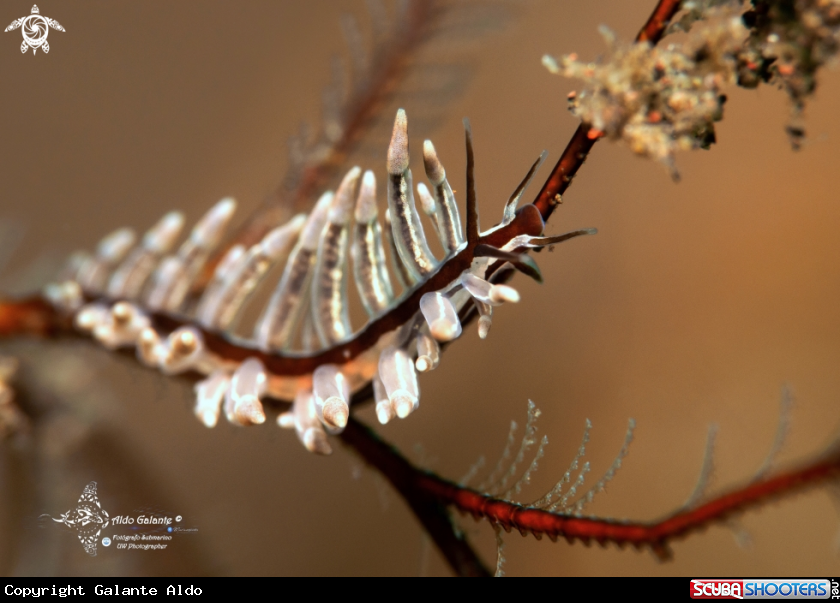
{"points": [[656, 535]]}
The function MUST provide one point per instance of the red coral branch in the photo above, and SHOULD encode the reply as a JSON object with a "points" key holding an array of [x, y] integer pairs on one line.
{"points": [[656, 535], [31, 316]]}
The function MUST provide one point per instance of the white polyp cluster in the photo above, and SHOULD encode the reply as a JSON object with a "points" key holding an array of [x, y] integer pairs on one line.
{"points": [[441, 316], [120, 326], [396, 370], [332, 396]]}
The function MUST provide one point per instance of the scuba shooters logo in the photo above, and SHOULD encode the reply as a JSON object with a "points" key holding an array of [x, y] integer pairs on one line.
{"points": [[760, 589]]}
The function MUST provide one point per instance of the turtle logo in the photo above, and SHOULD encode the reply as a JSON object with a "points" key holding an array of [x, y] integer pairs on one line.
{"points": [[88, 519], [35, 29]]}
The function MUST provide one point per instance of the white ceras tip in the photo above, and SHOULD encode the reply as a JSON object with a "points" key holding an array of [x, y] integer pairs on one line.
{"points": [[503, 293], [242, 399], [276, 243], [427, 202], [161, 237], [114, 246], [91, 316], [398, 149], [441, 316], [209, 394], [384, 409], [399, 378], [434, 169], [332, 394], [150, 349], [366, 210], [342, 206], [484, 324], [311, 233], [208, 231]]}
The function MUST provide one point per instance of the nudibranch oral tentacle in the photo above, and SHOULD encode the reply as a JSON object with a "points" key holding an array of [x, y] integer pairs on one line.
{"points": [[303, 349]]}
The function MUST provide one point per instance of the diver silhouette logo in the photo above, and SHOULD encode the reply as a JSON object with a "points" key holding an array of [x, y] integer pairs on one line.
{"points": [[88, 519], [35, 29]]}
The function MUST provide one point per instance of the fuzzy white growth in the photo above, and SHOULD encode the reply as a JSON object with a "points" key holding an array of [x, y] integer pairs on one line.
{"points": [[121, 326], [332, 396], [209, 230], [184, 350], [601, 484], [428, 353], [400, 380], [150, 349], [398, 149], [161, 237], [434, 169], [384, 409], [308, 427], [242, 398], [441, 316], [209, 394]]}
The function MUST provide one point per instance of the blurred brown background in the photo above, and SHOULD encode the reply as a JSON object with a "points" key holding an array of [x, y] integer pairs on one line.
{"points": [[694, 304]]}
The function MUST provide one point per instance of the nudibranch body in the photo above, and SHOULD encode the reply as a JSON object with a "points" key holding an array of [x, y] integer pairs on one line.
{"points": [[303, 349]]}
